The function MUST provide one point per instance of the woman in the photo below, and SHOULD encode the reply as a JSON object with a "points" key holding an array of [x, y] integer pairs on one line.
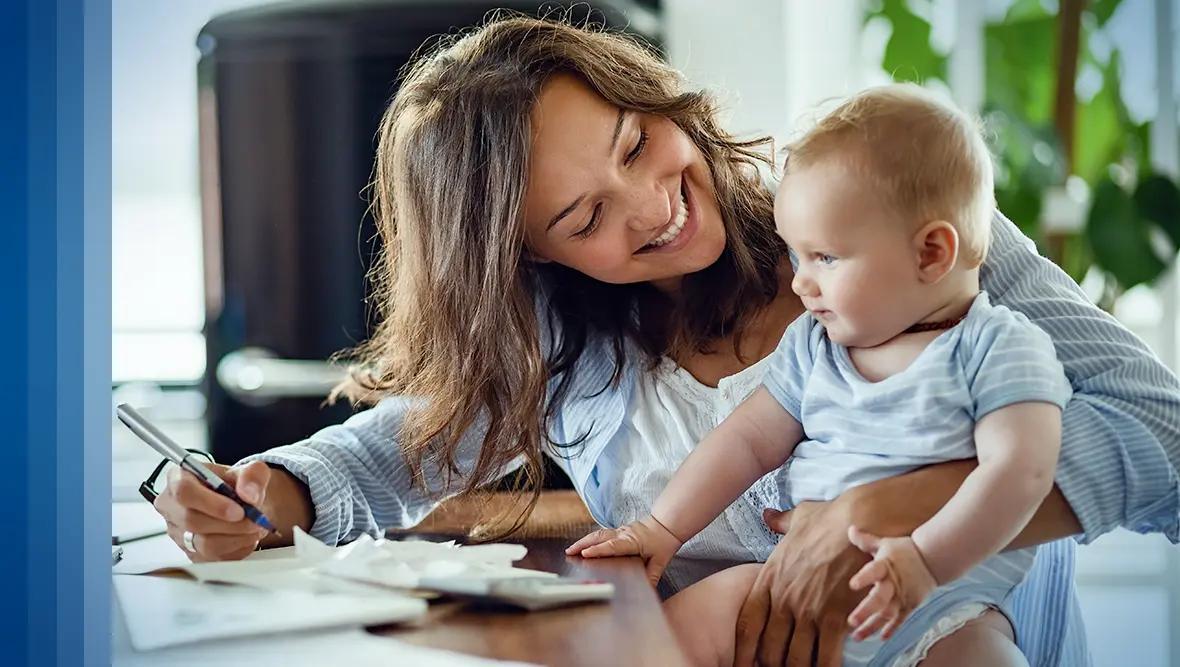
{"points": [[578, 262]]}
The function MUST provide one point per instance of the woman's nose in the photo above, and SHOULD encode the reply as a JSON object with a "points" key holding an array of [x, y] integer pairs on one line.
{"points": [[649, 207]]}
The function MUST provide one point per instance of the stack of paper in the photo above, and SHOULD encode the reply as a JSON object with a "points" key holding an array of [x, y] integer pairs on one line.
{"points": [[163, 611], [312, 586], [352, 646]]}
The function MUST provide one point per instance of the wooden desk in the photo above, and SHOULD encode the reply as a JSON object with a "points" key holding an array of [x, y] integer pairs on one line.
{"points": [[628, 630]]}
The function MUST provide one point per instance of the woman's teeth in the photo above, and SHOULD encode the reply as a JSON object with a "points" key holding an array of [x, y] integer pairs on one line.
{"points": [[674, 229]]}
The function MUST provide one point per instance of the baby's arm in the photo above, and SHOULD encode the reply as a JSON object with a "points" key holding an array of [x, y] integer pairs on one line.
{"points": [[1017, 448], [757, 437]]}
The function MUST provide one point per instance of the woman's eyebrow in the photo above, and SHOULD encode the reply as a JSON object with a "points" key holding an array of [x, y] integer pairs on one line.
{"points": [[614, 141], [564, 212]]}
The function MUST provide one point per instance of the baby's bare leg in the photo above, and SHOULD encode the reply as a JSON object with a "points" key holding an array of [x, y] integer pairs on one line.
{"points": [[704, 615], [984, 641]]}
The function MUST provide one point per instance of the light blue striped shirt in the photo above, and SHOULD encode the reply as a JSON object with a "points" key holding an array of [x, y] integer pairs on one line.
{"points": [[859, 431], [1120, 468]]}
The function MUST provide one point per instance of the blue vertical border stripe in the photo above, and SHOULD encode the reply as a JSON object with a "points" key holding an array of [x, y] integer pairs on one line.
{"points": [[69, 151], [43, 411], [55, 337], [94, 493], [15, 622]]}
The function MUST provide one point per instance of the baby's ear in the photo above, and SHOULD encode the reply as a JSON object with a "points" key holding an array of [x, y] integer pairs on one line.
{"points": [[936, 245]]}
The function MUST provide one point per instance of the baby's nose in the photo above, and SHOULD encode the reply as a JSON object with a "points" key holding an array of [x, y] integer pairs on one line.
{"points": [[803, 285]]}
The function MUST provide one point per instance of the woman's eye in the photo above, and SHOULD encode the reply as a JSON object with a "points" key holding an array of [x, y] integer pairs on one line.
{"points": [[638, 150], [590, 226], [825, 259]]}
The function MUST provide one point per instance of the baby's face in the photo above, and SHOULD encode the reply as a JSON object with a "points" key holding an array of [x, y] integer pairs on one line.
{"points": [[858, 264]]}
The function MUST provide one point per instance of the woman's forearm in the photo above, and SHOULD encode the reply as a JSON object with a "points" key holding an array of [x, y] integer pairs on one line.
{"points": [[895, 506]]}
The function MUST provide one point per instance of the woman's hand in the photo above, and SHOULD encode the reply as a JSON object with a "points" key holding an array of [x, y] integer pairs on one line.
{"points": [[220, 528], [797, 612], [647, 538]]}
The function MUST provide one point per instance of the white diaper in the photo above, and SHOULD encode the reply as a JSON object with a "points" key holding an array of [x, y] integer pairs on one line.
{"points": [[945, 625]]}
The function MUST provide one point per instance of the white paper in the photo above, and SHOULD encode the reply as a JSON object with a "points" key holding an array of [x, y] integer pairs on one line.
{"points": [[161, 554], [402, 564], [315, 648], [312, 566], [353, 647], [135, 518], [164, 611]]}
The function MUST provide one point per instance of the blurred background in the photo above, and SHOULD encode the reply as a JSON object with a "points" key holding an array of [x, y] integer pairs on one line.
{"points": [[243, 139]]}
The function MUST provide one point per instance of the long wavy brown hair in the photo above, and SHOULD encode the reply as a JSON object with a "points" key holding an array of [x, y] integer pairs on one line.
{"points": [[454, 291]]}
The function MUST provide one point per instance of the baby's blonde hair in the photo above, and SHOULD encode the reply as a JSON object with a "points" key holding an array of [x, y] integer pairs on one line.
{"points": [[925, 158]]}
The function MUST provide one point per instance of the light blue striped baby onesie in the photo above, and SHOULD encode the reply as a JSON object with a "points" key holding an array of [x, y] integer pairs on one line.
{"points": [[858, 431]]}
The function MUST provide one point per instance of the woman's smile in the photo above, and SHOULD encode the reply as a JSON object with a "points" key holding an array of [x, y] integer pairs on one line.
{"points": [[679, 231]]}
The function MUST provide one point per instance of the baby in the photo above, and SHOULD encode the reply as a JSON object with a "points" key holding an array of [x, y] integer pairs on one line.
{"points": [[901, 361]]}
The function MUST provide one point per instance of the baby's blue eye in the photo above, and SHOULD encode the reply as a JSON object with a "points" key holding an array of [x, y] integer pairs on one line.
{"points": [[825, 259]]}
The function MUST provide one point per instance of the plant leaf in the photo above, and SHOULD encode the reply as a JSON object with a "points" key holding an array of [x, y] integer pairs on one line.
{"points": [[1076, 257], [1158, 200], [1104, 9], [908, 54], [1020, 56], [1119, 238], [1101, 127]]}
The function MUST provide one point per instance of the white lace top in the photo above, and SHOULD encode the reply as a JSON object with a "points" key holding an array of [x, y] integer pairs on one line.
{"points": [[670, 412]]}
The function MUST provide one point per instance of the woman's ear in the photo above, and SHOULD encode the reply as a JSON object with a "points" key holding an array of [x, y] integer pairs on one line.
{"points": [[937, 248]]}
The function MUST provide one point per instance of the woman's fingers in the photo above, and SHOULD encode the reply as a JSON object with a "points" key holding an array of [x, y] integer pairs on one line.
{"points": [[207, 525], [225, 547], [218, 525], [214, 547], [190, 493], [751, 621], [250, 481], [195, 520], [802, 648], [873, 571], [597, 537], [776, 635], [776, 520], [832, 632], [881, 595]]}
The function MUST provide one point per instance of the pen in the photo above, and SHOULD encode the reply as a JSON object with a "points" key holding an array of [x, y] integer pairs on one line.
{"points": [[178, 455]]}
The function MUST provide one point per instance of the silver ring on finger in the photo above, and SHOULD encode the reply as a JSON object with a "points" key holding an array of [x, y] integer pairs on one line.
{"points": [[187, 538]]}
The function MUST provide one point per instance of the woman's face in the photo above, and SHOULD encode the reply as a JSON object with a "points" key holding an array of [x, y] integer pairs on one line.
{"points": [[621, 196]]}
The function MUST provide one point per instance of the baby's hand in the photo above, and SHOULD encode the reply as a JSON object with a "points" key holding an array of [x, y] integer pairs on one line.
{"points": [[646, 538], [900, 581]]}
